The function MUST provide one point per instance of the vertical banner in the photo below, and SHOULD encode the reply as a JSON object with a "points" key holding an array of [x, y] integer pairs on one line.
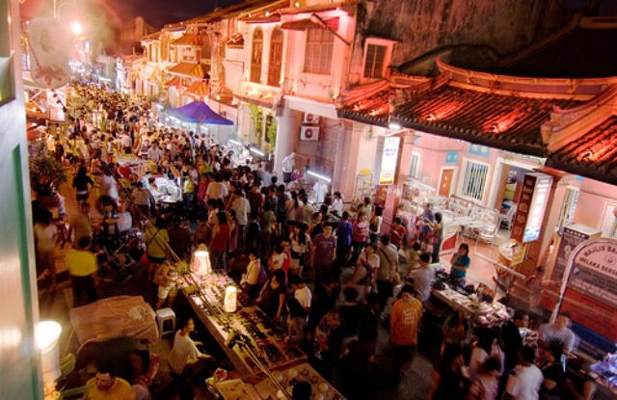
{"points": [[531, 207], [389, 160]]}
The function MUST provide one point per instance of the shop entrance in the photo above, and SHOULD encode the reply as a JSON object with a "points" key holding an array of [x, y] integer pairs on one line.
{"points": [[445, 182], [508, 189]]}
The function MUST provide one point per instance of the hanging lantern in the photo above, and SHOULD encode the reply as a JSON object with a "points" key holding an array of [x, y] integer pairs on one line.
{"points": [[231, 299], [201, 262]]}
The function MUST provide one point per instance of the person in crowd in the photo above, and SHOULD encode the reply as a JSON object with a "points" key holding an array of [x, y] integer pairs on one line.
{"points": [[250, 279], [46, 237], [125, 219], [301, 291], [217, 189], [357, 365], [398, 233], [272, 296], [455, 329], [436, 236], [448, 380], [277, 260], [144, 367], [363, 278], [82, 266], [460, 262], [82, 184], [375, 224], [485, 386], [423, 278], [156, 240], [242, 208], [185, 358], [300, 242], [296, 321], [337, 206], [109, 187], [360, 234], [107, 386], [365, 207], [559, 330], [219, 243], [388, 272], [404, 321], [412, 256], [167, 281], [511, 338], [526, 379], [81, 223], [323, 254], [554, 384], [486, 346], [344, 239]]}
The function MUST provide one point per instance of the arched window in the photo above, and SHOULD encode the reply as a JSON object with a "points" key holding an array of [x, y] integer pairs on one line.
{"points": [[276, 57], [258, 41]]}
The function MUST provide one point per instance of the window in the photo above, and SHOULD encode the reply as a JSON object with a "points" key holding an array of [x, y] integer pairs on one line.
{"points": [[568, 207], [276, 58], [256, 52], [475, 180], [374, 61], [318, 55]]}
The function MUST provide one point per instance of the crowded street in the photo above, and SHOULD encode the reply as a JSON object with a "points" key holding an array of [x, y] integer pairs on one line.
{"points": [[308, 200]]}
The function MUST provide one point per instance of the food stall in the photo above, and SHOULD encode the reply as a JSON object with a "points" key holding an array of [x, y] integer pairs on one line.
{"points": [[265, 362]]}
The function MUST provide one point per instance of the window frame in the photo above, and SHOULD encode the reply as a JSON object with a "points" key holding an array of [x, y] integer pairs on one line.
{"points": [[255, 64], [374, 41], [418, 157], [464, 181], [274, 79], [318, 46]]}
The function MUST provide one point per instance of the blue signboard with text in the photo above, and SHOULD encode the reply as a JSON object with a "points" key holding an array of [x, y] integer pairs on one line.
{"points": [[478, 150], [452, 157]]}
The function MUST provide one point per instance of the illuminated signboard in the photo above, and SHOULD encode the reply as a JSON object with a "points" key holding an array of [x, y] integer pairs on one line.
{"points": [[389, 158], [531, 207]]}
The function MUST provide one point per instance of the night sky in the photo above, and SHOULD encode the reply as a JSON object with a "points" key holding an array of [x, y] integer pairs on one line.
{"points": [[160, 12]]}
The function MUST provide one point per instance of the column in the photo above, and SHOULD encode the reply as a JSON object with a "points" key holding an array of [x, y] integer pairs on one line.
{"points": [[348, 150], [287, 131]]}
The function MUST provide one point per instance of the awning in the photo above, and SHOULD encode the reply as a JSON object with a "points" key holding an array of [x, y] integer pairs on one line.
{"points": [[311, 23], [197, 89], [198, 112], [188, 39]]}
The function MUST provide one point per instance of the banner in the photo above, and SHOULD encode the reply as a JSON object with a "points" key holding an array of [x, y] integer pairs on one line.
{"points": [[531, 207], [49, 46]]}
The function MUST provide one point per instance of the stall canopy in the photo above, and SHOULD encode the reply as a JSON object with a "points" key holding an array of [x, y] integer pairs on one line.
{"points": [[198, 112]]}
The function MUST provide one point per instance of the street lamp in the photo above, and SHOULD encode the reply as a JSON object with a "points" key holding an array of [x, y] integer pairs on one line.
{"points": [[76, 28]]}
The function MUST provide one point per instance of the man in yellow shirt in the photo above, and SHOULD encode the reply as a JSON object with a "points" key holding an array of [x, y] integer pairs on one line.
{"points": [[404, 321], [82, 267], [105, 386]]}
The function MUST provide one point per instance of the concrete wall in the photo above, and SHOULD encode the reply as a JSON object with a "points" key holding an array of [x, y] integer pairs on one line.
{"points": [[19, 378], [595, 205], [423, 25]]}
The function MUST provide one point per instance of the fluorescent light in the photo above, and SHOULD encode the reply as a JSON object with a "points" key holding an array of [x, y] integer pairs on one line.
{"points": [[319, 176], [46, 334], [394, 126], [233, 141], [257, 151]]}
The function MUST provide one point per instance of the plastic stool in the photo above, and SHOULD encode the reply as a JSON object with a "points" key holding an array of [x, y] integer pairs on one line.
{"points": [[166, 320]]}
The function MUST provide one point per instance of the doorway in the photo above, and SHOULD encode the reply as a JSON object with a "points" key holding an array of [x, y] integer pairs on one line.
{"points": [[445, 182]]}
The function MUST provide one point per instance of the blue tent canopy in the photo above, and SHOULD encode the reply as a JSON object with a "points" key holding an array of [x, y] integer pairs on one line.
{"points": [[198, 112]]}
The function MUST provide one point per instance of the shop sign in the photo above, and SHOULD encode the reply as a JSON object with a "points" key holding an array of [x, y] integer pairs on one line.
{"points": [[389, 159], [594, 270], [531, 207], [452, 157], [570, 238], [478, 150]]}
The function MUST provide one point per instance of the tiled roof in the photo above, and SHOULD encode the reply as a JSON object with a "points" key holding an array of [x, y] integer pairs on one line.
{"points": [[509, 122], [176, 82], [189, 69], [368, 103], [593, 155], [188, 39], [198, 89], [309, 23]]}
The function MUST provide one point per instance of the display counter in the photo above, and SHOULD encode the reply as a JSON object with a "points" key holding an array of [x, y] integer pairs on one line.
{"points": [[483, 313], [248, 327]]}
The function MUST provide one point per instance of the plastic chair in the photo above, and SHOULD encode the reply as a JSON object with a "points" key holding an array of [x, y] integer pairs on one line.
{"points": [[166, 321]]}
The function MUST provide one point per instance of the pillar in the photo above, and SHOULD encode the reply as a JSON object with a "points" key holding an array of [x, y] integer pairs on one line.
{"points": [[348, 150], [287, 131]]}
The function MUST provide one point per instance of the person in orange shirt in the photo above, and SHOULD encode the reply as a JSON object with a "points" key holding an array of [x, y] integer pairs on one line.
{"points": [[404, 321]]}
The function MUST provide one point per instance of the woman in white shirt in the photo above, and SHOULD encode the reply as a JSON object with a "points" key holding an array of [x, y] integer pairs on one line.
{"points": [[300, 246], [363, 277], [250, 279], [485, 347]]}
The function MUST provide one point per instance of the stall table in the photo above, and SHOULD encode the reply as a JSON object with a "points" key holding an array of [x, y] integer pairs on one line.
{"points": [[488, 314], [264, 339]]}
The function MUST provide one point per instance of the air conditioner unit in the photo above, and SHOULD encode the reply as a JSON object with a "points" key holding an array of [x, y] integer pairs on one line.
{"points": [[311, 119], [309, 133]]}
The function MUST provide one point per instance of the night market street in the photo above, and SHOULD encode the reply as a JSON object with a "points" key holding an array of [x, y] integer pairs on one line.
{"points": [[308, 200]]}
